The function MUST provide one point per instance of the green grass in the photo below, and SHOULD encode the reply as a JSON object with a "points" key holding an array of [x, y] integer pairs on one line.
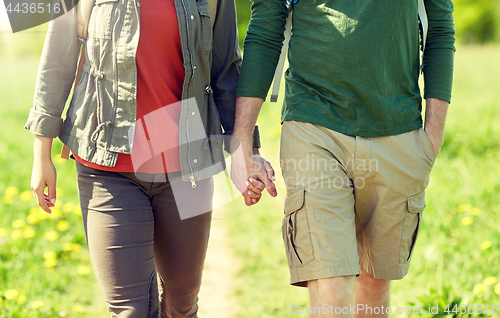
{"points": [[45, 268], [448, 264], [450, 259]]}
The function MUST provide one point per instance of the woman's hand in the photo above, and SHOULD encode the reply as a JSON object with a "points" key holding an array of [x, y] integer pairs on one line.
{"points": [[43, 174]]}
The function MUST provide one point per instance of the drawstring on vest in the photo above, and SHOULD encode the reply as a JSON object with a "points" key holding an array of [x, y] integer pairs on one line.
{"points": [[98, 75], [99, 128]]}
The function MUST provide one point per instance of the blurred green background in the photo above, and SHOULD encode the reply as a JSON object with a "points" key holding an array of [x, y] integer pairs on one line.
{"points": [[45, 270]]}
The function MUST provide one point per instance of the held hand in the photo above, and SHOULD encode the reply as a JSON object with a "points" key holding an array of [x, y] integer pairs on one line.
{"points": [[261, 177], [251, 176]]}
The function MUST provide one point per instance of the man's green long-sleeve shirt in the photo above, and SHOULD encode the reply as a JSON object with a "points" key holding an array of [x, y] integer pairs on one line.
{"points": [[353, 64]]}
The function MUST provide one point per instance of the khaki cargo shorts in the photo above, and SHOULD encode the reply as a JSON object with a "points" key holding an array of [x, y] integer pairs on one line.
{"points": [[352, 201]]}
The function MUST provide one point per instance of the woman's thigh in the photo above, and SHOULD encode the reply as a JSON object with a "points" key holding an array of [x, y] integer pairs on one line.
{"points": [[180, 244], [119, 226]]}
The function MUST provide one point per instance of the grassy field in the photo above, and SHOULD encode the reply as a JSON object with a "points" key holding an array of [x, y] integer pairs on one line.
{"points": [[45, 270], [456, 257]]}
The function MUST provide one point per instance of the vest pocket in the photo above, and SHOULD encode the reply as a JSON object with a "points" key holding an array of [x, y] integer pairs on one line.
{"points": [[102, 18], [206, 26]]}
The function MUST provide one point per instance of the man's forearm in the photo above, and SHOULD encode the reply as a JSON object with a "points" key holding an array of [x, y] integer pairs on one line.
{"points": [[435, 116], [247, 111]]}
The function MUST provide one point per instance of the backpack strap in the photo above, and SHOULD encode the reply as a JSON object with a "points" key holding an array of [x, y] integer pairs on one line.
{"points": [[424, 22], [281, 63], [83, 10], [422, 15]]}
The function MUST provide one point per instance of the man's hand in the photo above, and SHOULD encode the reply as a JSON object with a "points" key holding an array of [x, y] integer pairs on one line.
{"points": [[249, 171], [435, 115], [261, 176], [252, 175]]}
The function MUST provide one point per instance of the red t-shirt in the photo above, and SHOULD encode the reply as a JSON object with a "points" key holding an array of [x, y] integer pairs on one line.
{"points": [[160, 76]]}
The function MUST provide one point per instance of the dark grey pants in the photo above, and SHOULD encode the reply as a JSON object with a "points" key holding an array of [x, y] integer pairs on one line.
{"points": [[133, 231]]}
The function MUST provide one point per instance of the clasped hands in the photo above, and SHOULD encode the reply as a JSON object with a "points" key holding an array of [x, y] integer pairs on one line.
{"points": [[251, 175]]}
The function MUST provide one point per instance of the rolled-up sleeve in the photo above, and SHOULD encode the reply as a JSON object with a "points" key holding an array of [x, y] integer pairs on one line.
{"points": [[439, 50], [56, 74], [226, 66], [226, 62]]}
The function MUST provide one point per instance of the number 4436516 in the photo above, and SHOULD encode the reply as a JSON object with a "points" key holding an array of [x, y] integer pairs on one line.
{"points": [[472, 309], [34, 8]]}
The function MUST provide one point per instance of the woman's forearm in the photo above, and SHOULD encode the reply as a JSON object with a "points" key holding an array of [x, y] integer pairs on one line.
{"points": [[42, 148]]}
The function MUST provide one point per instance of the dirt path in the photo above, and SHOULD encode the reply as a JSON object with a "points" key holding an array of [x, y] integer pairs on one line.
{"points": [[216, 299]]}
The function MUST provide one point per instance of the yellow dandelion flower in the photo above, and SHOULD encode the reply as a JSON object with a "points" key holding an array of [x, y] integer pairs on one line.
{"points": [[60, 192], [77, 211], [37, 304], [464, 207], [17, 224], [467, 221], [3, 232], [68, 207], [49, 255], [83, 270], [479, 288], [56, 213], [33, 219], [497, 289], [475, 211], [71, 247], [51, 236], [77, 308], [11, 294], [67, 246], [58, 160], [50, 263], [8, 200], [486, 245], [58, 203], [35, 210], [11, 192], [63, 225], [488, 281], [28, 232], [16, 234], [36, 215], [26, 196], [21, 299]]}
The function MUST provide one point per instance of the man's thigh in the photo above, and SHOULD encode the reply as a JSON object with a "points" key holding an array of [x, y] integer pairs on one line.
{"points": [[392, 174], [319, 229]]}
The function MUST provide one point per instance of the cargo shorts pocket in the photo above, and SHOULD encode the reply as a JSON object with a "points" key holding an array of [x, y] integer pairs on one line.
{"points": [[295, 228], [415, 205], [427, 145]]}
